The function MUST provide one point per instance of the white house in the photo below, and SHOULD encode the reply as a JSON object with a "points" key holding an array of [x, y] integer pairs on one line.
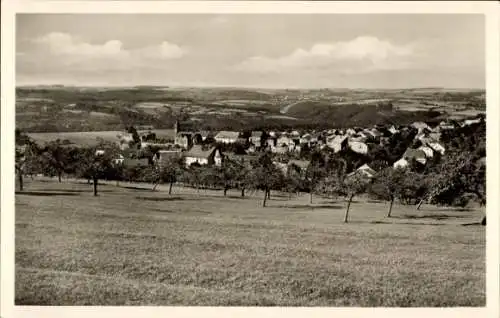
{"points": [[367, 171], [420, 126], [256, 138], [417, 154], [393, 130], [469, 122], [429, 152], [197, 155], [182, 141], [337, 143], [358, 146], [227, 137], [119, 160], [436, 146], [401, 163], [350, 132], [284, 140]]}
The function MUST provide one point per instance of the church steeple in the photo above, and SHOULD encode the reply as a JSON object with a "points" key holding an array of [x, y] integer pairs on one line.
{"points": [[176, 127]]}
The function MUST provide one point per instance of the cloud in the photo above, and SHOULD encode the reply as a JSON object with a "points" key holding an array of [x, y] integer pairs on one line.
{"points": [[65, 44], [165, 50], [73, 53], [361, 54]]}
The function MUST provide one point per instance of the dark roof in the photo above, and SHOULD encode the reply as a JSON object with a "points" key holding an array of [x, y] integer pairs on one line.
{"points": [[198, 152], [256, 133], [414, 153]]}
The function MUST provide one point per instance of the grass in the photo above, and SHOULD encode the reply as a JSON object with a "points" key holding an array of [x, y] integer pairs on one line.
{"points": [[130, 247]]}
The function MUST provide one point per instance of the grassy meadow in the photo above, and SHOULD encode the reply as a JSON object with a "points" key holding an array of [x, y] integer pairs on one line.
{"points": [[131, 246]]}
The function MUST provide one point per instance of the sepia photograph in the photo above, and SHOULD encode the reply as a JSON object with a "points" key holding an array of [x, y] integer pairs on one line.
{"points": [[250, 159]]}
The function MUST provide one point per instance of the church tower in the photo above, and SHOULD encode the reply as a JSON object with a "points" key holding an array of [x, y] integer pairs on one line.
{"points": [[176, 128]]}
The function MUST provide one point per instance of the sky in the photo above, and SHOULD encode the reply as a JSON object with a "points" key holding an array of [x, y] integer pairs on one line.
{"points": [[257, 50]]}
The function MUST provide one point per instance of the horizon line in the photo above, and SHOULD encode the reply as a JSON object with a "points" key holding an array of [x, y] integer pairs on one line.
{"points": [[245, 87]]}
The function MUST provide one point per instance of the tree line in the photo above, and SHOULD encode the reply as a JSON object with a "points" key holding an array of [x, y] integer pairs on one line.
{"points": [[455, 178]]}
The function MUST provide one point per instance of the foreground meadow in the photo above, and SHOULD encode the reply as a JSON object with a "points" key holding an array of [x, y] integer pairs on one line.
{"points": [[131, 246]]}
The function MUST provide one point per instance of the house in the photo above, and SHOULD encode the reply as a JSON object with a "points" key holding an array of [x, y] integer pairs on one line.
{"points": [[374, 133], [271, 142], [295, 134], [350, 132], [337, 143], [284, 140], [125, 137], [364, 171], [183, 140], [429, 152], [410, 154], [305, 139], [363, 134], [119, 160], [358, 146], [204, 135], [436, 146], [469, 122], [279, 149], [256, 138], [162, 156], [444, 125], [251, 148], [367, 171], [358, 138], [197, 154], [99, 152], [227, 137], [420, 126], [242, 140]]}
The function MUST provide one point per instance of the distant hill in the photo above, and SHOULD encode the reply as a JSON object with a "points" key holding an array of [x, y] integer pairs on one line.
{"points": [[356, 115]]}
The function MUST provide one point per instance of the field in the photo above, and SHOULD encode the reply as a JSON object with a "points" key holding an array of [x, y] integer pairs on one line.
{"points": [[131, 246], [89, 138]]}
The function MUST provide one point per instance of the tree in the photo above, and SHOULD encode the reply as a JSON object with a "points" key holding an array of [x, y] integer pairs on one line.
{"points": [[94, 165], [26, 156], [265, 175], [293, 180], [388, 185], [226, 174], [315, 172], [170, 170], [55, 159], [353, 185], [459, 174], [136, 142]]}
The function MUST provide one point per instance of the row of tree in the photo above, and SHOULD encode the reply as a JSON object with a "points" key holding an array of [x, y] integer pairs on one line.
{"points": [[452, 179]]}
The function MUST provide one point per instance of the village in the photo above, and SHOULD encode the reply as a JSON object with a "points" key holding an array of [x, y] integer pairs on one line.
{"points": [[288, 147]]}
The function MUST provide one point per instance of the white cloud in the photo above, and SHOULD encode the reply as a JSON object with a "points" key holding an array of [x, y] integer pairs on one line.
{"points": [[65, 44], [72, 52], [165, 50], [361, 54]]}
